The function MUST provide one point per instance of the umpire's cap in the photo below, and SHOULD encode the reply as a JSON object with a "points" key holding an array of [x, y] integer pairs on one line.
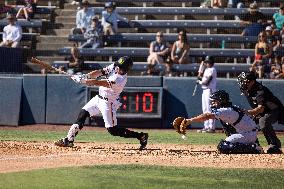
{"points": [[125, 63], [209, 59]]}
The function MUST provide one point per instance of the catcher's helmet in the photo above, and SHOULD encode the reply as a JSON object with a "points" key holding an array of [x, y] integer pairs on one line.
{"points": [[125, 63], [244, 78], [222, 97], [209, 60]]}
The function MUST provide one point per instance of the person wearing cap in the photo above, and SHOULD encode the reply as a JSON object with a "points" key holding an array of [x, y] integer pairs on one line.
{"points": [[83, 19], [253, 21], [208, 83], [110, 17], [265, 108], [278, 18], [271, 37], [94, 35], [105, 102], [12, 33]]}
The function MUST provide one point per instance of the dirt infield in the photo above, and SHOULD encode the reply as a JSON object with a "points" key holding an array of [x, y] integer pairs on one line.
{"points": [[21, 156]]}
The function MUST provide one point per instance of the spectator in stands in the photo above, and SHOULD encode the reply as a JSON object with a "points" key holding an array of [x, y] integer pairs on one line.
{"points": [[110, 17], [234, 3], [12, 33], [83, 19], [158, 54], [94, 35], [277, 68], [271, 36], [253, 20], [219, 3], [278, 18], [263, 52], [76, 61], [180, 49], [279, 49], [28, 10]]}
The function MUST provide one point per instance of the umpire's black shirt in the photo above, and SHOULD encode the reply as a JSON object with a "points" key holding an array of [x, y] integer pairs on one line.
{"points": [[261, 95]]}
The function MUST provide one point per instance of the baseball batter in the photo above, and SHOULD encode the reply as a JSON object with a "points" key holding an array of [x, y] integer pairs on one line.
{"points": [[208, 84], [241, 130], [106, 103]]}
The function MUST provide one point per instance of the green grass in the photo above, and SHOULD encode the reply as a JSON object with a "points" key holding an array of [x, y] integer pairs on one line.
{"points": [[156, 136], [136, 176], [142, 177]]}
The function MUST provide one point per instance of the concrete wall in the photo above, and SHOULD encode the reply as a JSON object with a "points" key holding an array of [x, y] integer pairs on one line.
{"points": [[55, 99]]}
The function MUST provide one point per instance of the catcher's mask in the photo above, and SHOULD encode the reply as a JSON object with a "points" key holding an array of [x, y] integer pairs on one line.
{"points": [[244, 78], [125, 63], [220, 99]]}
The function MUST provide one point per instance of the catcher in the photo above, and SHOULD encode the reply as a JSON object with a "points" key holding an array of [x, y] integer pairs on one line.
{"points": [[240, 129]]}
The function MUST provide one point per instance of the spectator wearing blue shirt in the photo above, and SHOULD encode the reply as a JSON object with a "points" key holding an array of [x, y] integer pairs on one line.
{"points": [[110, 17], [83, 19], [278, 18], [94, 35]]}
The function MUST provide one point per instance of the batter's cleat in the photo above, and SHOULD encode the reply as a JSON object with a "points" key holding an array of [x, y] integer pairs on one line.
{"points": [[64, 142], [274, 150], [143, 141]]}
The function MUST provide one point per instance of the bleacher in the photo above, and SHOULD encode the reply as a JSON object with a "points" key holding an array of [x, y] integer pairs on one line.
{"points": [[205, 34], [207, 29], [34, 28]]}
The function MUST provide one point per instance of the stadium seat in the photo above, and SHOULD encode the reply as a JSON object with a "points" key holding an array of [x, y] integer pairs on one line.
{"points": [[184, 11], [144, 52], [148, 37]]}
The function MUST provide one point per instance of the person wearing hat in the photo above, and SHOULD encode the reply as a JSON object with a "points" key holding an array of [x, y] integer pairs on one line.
{"points": [[278, 18], [12, 33], [110, 17], [83, 19], [271, 37], [266, 108], [105, 102], [253, 21], [94, 34], [208, 84]]}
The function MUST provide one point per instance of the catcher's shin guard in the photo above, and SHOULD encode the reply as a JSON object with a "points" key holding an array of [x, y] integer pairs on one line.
{"points": [[226, 147]]}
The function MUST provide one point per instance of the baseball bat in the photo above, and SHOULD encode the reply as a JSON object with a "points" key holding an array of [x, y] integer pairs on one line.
{"points": [[47, 66], [194, 90], [75, 78]]}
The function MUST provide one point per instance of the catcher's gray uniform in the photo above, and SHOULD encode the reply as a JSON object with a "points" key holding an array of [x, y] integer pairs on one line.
{"points": [[246, 128]]}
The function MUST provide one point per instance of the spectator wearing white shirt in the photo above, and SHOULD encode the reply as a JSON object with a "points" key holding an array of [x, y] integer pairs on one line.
{"points": [[12, 33], [110, 17], [83, 19]]}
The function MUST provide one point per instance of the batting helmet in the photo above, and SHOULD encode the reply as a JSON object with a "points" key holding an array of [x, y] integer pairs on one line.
{"points": [[244, 78], [209, 60], [125, 63], [222, 97]]}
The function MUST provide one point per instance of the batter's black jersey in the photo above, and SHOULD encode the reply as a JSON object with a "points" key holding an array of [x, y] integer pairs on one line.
{"points": [[261, 95]]}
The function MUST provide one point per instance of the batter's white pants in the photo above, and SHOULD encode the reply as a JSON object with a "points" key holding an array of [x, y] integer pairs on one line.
{"points": [[108, 110], [208, 124]]}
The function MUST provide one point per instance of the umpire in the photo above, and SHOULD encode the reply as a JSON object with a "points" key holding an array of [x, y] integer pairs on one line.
{"points": [[266, 108]]}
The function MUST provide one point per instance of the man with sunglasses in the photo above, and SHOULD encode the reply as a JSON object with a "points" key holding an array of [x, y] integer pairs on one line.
{"points": [[106, 103]]}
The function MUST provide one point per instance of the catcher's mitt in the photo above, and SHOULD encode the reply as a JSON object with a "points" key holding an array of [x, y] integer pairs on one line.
{"points": [[180, 124]]}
